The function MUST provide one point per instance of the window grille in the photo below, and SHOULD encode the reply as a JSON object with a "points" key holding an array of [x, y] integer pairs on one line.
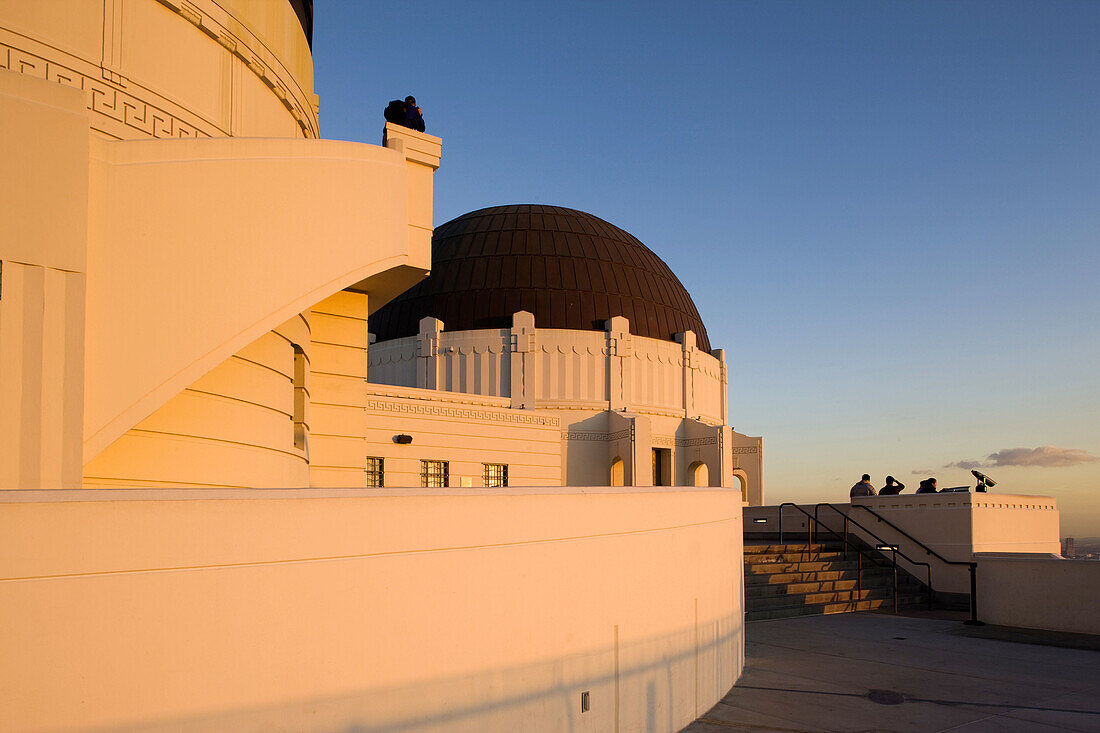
{"points": [[376, 473], [494, 474], [434, 473]]}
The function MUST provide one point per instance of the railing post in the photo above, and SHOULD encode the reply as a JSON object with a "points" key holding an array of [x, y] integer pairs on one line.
{"points": [[895, 555], [859, 576], [929, 586], [973, 620], [781, 524]]}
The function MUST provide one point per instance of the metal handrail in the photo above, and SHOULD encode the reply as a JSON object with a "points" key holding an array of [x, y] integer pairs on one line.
{"points": [[973, 566], [873, 535], [859, 551], [882, 543]]}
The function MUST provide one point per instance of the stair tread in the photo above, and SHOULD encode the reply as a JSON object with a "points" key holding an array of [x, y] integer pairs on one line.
{"points": [[800, 579], [828, 608]]}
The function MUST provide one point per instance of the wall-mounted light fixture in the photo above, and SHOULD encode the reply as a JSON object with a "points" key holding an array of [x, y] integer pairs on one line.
{"points": [[761, 520], [403, 439], [886, 548]]}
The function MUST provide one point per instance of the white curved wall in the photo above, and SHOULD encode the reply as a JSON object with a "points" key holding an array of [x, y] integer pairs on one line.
{"points": [[394, 363], [461, 610], [234, 427], [160, 317], [184, 361], [166, 68], [658, 374]]}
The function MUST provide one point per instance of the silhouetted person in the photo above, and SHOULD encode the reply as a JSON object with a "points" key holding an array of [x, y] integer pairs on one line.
{"points": [[928, 486], [396, 113], [863, 488], [414, 117], [893, 487]]}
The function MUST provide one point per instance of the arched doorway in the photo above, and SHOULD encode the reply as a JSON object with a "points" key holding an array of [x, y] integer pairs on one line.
{"points": [[617, 472], [743, 482], [699, 474]]}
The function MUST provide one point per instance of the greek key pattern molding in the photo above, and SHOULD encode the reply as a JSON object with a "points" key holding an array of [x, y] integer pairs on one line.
{"points": [[102, 98], [599, 437], [440, 411], [566, 435], [740, 450], [683, 442]]}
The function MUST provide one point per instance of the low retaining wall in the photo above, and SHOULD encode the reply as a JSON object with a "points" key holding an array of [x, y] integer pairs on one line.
{"points": [[1039, 593], [386, 610]]}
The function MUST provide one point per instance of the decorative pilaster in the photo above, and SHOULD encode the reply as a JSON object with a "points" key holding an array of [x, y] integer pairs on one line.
{"points": [[523, 360], [720, 355], [620, 351], [427, 353], [112, 42], [687, 344], [725, 457]]}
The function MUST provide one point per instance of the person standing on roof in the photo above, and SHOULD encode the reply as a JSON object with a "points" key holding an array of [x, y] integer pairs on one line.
{"points": [[395, 113], [863, 488], [414, 117], [893, 487], [928, 486]]}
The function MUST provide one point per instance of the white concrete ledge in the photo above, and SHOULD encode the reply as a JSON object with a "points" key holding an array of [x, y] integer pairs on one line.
{"points": [[390, 610]]}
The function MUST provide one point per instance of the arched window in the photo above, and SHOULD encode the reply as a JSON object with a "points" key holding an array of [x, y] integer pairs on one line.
{"points": [[617, 472]]}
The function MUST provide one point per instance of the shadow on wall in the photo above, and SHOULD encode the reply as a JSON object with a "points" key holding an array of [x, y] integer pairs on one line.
{"points": [[683, 674]]}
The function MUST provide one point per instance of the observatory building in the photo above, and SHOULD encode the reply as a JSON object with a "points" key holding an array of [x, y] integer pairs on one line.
{"points": [[276, 454], [222, 507], [563, 315]]}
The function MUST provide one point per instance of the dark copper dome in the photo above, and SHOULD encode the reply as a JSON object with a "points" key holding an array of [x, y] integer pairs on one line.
{"points": [[571, 269]]}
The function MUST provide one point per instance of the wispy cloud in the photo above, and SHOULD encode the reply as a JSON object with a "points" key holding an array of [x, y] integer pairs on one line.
{"points": [[967, 465], [1047, 456]]}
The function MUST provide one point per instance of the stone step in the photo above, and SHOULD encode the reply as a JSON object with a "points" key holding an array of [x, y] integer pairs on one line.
{"points": [[752, 550], [814, 576], [782, 557], [829, 597], [758, 590], [829, 608], [770, 568], [797, 579]]}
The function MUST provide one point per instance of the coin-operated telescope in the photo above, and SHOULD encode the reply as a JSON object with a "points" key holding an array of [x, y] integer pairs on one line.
{"points": [[983, 481]]}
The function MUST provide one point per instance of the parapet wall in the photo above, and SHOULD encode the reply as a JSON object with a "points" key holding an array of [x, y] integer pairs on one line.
{"points": [[1039, 593], [561, 369], [338, 610]]}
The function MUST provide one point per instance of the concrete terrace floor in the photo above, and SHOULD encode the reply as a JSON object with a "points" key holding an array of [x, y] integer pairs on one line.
{"points": [[815, 673]]}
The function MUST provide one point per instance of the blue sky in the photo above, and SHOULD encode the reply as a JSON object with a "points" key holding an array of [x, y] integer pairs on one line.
{"points": [[887, 213]]}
